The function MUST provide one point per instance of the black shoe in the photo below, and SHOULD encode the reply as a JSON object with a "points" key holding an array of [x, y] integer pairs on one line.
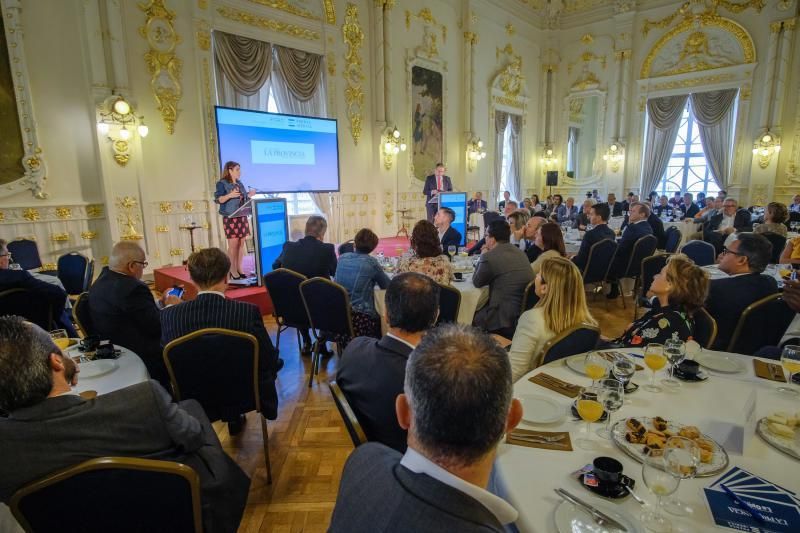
{"points": [[235, 426], [279, 365], [242, 276], [614, 293]]}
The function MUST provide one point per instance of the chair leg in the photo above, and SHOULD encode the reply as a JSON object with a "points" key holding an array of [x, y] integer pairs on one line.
{"points": [[278, 339], [265, 443], [299, 341], [314, 359]]}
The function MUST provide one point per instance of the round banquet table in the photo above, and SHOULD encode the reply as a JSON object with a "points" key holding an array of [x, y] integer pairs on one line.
{"points": [[528, 476], [687, 226]]}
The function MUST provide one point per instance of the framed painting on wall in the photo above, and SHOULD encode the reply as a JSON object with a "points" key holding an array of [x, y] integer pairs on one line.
{"points": [[426, 120]]}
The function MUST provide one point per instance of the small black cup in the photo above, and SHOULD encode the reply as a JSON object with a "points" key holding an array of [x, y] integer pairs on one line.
{"points": [[458, 275], [607, 470], [689, 368]]}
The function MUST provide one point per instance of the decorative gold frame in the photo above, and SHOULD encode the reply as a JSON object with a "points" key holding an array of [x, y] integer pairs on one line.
{"points": [[353, 73]]}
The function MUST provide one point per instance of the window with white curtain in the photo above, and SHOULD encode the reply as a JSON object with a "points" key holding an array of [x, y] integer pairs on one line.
{"points": [[687, 170], [508, 159]]}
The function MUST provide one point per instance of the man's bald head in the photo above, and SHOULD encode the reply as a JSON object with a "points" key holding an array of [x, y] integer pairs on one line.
{"points": [[127, 258]]}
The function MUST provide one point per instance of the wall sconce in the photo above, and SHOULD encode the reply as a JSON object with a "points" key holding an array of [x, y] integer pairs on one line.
{"points": [[475, 153], [765, 147], [614, 155], [393, 144], [548, 158], [116, 111]]}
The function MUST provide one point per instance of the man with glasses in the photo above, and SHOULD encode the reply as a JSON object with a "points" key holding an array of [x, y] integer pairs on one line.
{"points": [[743, 260], [122, 308], [722, 223]]}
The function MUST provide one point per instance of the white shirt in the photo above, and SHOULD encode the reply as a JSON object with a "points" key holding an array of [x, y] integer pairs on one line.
{"points": [[398, 339], [419, 464], [211, 292], [727, 222]]}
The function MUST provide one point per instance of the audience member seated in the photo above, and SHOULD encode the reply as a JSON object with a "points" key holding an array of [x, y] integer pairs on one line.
{"points": [[688, 207], [531, 228], [477, 204], [637, 228], [676, 199], [626, 203], [614, 207], [550, 241], [359, 272], [701, 200], [208, 269], [566, 213], [743, 260], [516, 222], [371, 372], [42, 290], [510, 207], [556, 203], [681, 288], [795, 207], [426, 255], [658, 229], [501, 205], [664, 208], [49, 428], [448, 235], [774, 217], [791, 295], [791, 253], [582, 220], [707, 210], [562, 305], [122, 308], [536, 204], [311, 257], [506, 270], [721, 224], [598, 218], [456, 407]]}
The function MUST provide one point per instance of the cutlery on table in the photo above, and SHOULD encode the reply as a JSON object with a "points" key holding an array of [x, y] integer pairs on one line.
{"points": [[634, 495], [599, 517], [544, 438]]}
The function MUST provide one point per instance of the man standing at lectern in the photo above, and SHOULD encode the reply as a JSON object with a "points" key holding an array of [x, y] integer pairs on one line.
{"points": [[434, 184]]}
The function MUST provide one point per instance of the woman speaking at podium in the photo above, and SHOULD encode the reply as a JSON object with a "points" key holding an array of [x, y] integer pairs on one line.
{"points": [[231, 194]]}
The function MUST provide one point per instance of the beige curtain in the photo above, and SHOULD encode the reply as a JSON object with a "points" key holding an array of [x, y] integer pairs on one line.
{"points": [[515, 181], [714, 113], [663, 122], [243, 69], [301, 71], [500, 121]]}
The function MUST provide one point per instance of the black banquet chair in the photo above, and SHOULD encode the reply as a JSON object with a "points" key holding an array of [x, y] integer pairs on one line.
{"points": [[73, 271], [328, 307], [349, 418], [283, 288], [644, 247], [529, 297], [762, 323], [449, 304], [672, 240], [25, 303], [778, 243], [601, 256], [218, 368], [120, 494], [705, 328], [650, 267], [575, 340], [701, 252], [81, 314], [25, 253]]}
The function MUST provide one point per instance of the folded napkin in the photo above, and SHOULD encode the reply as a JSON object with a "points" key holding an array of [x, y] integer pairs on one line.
{"points": [[770, 371], [611, 356], [519, 437], [554, 384]]}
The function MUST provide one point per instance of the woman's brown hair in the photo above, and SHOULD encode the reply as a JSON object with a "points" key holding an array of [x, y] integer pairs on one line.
{"points": [[552, 239], [226, 170], [778, 212], [425, 240], [689, 283], [365, 241]]}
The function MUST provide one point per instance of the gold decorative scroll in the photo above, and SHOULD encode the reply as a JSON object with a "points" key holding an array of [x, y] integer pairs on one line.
{"points": [[692, 82], [353, 73], [284, 5], [510, 29], [330, 11], [122, 151], [88, 235], [666, 21], [510, 102], [94, 211], [49, 267], [685, 11], [162, 63], [59, 237], [165, 207], [63, 212], [211, 139], [330, 59], [188, 205], [162, 228], [237, 15], [174, 252], [427, 17], [128, 218], [31, 214], [587, 81], [2, 216], [733, 7]]}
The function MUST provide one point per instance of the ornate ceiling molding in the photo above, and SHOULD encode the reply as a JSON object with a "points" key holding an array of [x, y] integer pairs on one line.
{"points": [[237, 15]]}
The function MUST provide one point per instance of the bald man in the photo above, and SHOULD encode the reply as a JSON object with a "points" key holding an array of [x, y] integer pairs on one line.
{"points": [[123, 310]]}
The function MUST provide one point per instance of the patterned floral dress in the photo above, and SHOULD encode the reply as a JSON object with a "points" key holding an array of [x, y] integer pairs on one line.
{"points": [[439, 268], [658, 325]]}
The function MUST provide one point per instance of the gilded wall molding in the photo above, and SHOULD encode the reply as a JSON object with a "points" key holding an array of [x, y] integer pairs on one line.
{"points": [[128, 217], [693, 82], [237, 15], [330, 11], [285, 6], [427, 17], [65, 214], [353, 70], [210, 121], [162, 63]]}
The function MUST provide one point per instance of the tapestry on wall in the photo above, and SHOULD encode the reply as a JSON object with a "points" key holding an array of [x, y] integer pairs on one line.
{"points": [[426, 119], [11, 145]]}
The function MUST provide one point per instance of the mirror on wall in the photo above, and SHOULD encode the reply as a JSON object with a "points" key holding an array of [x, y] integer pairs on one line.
{"points": [[583, 132]]}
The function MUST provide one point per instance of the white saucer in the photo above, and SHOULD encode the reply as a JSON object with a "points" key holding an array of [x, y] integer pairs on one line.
{"points": [[540, 409], [97, 368], [570, 518], [720, 362]]}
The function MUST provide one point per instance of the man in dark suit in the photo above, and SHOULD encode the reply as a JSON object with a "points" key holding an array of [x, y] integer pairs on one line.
{"points": [[637, 228], [689, 208], [743, 260], [477, 204], [614, 207], [598, 217], [434, 184], [42, 290], [208, 269], [371, 371], [507, 271], [122, 308], [457, 403], [49, 428], [626, 204], [311, 257], [531, 227], [501, 205], [721, 224], [658, 229], [448, 235]]}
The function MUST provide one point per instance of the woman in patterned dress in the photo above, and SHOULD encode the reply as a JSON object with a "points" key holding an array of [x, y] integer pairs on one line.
{"points": [[231, 194], [427, 255]]}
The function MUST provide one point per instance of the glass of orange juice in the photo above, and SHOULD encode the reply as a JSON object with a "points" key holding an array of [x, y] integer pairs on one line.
{"points": [[590, 410], [595, 366], [60, 338], [790, 360], [655, 360]]}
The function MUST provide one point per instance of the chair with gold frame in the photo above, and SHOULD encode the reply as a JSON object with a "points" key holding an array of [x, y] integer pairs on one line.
{"points": [[120, 494], [449, 304], [349, 418], [575, 340], [80, 312], [218, 368], [705, 328], [762, 323]]}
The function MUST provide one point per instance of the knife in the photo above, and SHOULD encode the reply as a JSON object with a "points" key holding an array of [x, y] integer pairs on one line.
{"points": [[599, 517]]}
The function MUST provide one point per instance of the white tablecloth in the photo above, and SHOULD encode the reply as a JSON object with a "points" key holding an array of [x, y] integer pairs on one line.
{"points": [[529, 475], [687, 227], [472, 298], [476, 219]]}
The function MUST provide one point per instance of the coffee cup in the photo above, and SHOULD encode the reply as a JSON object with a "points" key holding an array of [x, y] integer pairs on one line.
{"points": [[689, 368], [607, 470], [458, 276]]}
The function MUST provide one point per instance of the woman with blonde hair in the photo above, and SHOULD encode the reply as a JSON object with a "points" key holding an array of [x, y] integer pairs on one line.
{"points": [[681, 288], [562, 305]]}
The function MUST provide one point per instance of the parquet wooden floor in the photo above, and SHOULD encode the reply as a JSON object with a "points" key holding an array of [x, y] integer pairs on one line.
{"points": [[309, 444]]}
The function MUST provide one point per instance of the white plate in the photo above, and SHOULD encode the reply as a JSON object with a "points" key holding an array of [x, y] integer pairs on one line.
{"points": [[98, 368], [570, 518], [576, 363], [540, 409], [721, 363]]}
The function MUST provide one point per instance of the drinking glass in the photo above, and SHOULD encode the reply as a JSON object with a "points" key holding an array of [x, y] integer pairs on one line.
{"points": [[790, 360], [675, 352], [14, 266], [681, 459], [451, 250], [60, 338], [655, 360], [610, 394], [595, 366], [661, 483], [623, 370], [590, 411]]}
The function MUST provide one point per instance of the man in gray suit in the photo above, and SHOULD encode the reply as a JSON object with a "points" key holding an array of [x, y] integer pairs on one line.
{"points": [[456, 405], [507, 271], [50, 428]]}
